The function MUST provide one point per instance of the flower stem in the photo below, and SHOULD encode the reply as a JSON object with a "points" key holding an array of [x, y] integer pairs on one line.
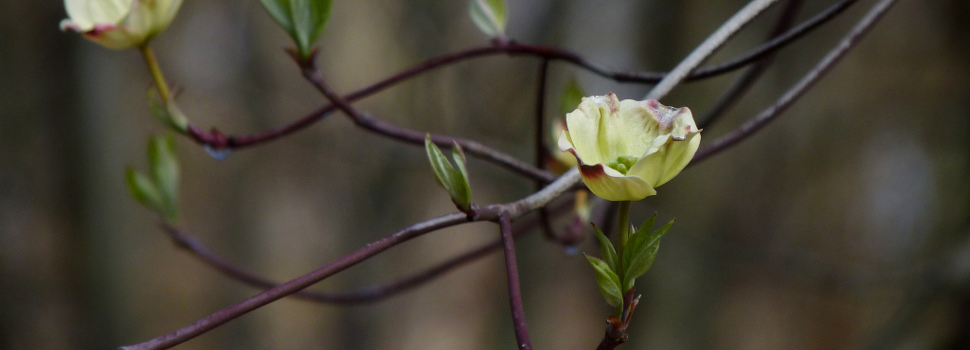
{"points": [[156, 70]]}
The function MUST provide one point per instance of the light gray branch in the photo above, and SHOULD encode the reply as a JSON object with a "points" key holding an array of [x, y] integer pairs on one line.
{"points": [[708, 47]]}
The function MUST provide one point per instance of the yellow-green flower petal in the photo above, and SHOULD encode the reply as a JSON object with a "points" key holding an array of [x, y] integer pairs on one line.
{"points": [[667, 161], [560, 161], [119, 24], [609, 184], [86, 14], [627, 148]]}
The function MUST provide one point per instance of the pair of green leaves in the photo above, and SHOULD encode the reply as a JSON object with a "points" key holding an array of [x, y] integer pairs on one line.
{"points": [[615, 276], [455, 181], [489, 16], [159, 191], [302, 19]]}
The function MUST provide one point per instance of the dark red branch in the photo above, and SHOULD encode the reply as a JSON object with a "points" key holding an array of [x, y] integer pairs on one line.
{"points": [[772, 45], [370, 123], [744, 83], [217, 140], [515, 290], [766, 116], [367, 295], [507, 211], [541, 153], [214, 320], [486, 213], [539, 130], [190, 244]]}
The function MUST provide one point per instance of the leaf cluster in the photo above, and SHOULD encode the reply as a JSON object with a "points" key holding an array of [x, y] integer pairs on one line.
{"points": [[453, 180], [159, 190], [302, 19], [616, 273]]}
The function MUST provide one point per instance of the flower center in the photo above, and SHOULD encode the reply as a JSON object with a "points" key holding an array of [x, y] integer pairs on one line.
{"points": [[622, 164]]}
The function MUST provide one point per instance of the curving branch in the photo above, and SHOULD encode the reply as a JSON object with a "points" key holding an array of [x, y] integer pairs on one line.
{"points": [[774, 44], [215, 139], [539, 128], [491, 212], [541, 153], [744, 83], [370, 123], [789, 97], [185, 241], [487, 213], [368, 295], [515, 290], [504, 212], [216, 319], [717, 39]]}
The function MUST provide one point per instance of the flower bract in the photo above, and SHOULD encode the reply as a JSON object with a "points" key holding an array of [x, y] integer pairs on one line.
{"points": [[119, 24], [626, 149]]}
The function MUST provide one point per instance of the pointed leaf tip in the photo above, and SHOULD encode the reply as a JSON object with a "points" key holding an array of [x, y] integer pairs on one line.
{"points": [[572, 95], [607, 281], [142, 189], [304, 20], [163, 163], [606, 249], [642, 248], [489, 16], [455, 181]]}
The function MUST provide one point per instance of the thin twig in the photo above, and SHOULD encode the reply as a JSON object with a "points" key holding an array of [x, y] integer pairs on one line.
{"points": [[774, 44], [487, 213], [708, 47], [824, 65], [368, 295], [214, 320], [515, 290], [512, 210], [217, 140], [541, 154], [370, 123], [539, 128], [744, 83]]}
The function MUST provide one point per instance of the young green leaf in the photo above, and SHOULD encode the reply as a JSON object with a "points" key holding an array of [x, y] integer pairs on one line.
{"points": [[458, 155], [142, 189], [163, 163], [302, 19], [638, 237], [572, 95], [608, 282], [642, 247], [606, 249], [455, 181], [647, 225], [489, 16]]}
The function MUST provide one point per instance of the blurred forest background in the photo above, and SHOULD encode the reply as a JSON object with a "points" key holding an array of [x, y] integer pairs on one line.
{"points": [[843, 225]]}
